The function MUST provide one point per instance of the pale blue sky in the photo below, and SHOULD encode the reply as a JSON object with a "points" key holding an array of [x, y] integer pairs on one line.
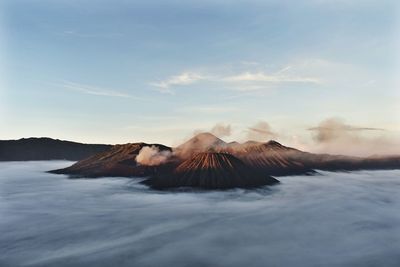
{"points": [[155, 71]]}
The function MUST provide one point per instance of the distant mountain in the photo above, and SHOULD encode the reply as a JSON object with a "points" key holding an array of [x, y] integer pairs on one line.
{"points": [[117, 161], [211, 170], [47, 149]]}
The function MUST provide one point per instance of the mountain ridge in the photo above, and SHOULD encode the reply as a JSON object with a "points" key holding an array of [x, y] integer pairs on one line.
{"points": [[45, 148], [271, 158]]}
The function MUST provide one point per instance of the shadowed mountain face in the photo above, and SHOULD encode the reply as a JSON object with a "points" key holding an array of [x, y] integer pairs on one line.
{"points": [[211, 170], [46, 149], [346, 163], [117, 161]]}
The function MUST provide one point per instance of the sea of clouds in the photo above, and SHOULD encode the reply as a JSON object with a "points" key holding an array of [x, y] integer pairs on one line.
{"points": [[330, 219]]}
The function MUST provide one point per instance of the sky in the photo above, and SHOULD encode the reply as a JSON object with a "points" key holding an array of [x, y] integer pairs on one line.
{"points": [[158, 71]]}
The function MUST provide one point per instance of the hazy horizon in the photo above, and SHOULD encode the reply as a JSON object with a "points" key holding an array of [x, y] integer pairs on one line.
{"points": [[321, 76]]}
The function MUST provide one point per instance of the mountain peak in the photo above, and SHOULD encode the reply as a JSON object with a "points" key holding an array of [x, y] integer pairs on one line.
{"points": [[273, 143], [205, 135], [201, 142], [205, 139]]}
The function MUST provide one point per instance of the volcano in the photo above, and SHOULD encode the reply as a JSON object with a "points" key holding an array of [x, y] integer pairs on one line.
{"points": [[211, 170]]}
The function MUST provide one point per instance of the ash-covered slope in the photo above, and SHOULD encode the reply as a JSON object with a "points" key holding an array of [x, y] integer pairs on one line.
{"points": [[272, 158], [117, 161], [45, 148], [211, 170], [276, 159]]}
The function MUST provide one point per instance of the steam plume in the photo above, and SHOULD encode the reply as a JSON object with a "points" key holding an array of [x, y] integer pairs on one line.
{"points": [[261, 132], [333, 128], [334, 136], [221, 130], [152, 156]]}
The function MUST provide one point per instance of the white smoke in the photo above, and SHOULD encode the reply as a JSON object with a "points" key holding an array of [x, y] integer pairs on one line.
{"points": [[334, 136], [221, 130], [152, 156], [260, 132], [333, 129]]}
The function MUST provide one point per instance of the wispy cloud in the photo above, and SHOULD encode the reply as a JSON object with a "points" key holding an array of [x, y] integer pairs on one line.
{"points": [[74, 33], [243, 81], [184, 78], [208, 109], [273, 78], [250, 63], [94, 90]]}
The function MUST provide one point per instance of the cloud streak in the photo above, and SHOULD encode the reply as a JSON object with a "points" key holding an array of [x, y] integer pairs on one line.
{"points": [[271, 78], [184, 78], [208, 109], [74, 33], [249, 80], [94, 90]]}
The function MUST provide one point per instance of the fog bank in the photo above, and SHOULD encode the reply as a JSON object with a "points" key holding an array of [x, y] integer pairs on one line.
{"points": [[331, 219]]}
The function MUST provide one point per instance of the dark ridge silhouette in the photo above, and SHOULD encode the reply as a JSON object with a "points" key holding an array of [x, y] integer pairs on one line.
{"points": [[117, 161], [347, 163], [47, 149], [211, 170]]}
